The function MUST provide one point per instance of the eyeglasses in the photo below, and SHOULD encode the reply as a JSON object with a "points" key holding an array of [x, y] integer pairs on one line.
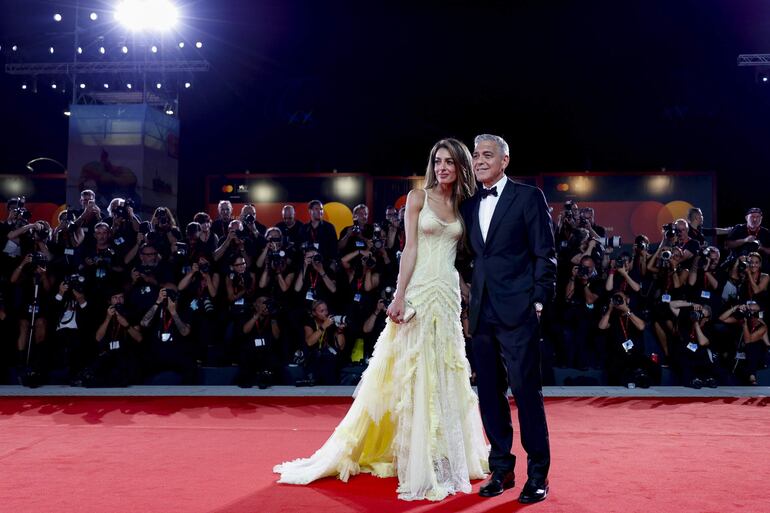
{"points": [[149, 254]]}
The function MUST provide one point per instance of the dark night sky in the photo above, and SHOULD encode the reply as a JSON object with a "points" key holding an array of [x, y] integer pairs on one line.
{"points": [[635, 85]]}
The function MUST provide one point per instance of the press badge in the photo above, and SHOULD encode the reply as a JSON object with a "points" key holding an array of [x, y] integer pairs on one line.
{"points": [[310, 296], [119, 241], [357, 297], [239, 302], [259, 342], [166, 337], [705, 294], [692, 346], [36, 308], [332, 350], [590, 306], [740, 355], [628, 345], [115, 344], [194, 305], [101, 273], [69, 252], [146, 290], [316, 245], [186, 269], [666, 298]]}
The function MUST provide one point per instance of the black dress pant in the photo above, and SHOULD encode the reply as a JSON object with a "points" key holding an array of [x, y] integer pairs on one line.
{"points": [[511, 357]]}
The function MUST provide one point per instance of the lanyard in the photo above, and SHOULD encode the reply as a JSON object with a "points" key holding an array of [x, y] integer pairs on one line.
{"points": [[167, 320], [623, 324], [313, 279]]}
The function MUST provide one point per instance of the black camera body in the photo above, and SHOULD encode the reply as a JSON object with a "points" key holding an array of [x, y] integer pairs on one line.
{"points": [[39, 259], [172, 295], [369, 262], [249, 219], [276, 258], [387, 295], [75, 282], [618, 299], [670, 229], [584, 271], [318, 258], [204, 268]]}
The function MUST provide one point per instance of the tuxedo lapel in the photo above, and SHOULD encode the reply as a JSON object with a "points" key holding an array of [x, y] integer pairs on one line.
{"points": [[503, 204], [475, 227]]}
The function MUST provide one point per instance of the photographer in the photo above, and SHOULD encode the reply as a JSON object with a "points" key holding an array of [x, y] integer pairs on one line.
{"points": [[324, 341], [290, 227], [278, 271], [750, 233], [167, 329], [208, 238], [689, 247], [752, 340], [693, 344], [165, 232], [626, 362], [359, 286], [31, 272], [375, 323], [198, 289], [101, 266], [624, 281], [587, 220], [89, 214], [359, 231], [259, 348], [697, 231], [240, 286], [248, 217], [69, 347], [567, 223], [582, 294], [581, 245], [318, 233], [751, 282], [31, 238], [669, 280], [702, 280], [234, 245], [146, 275], [123, 223], [390, 228], [221, 224], [66, 240], [117, 344], [315, 281]]}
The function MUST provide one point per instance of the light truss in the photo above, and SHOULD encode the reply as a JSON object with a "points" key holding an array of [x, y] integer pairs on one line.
{"points": [[754, 59], [78, 68]]}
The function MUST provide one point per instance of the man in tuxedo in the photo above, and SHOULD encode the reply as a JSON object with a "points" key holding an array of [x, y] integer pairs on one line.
{"points": [[510, 234]]}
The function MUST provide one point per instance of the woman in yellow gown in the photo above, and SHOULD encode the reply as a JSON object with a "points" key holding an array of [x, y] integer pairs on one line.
{"points": [[415, 414]]}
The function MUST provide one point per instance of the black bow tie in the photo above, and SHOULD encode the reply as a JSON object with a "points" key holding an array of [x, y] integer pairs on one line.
{"points": [[488, 192]]}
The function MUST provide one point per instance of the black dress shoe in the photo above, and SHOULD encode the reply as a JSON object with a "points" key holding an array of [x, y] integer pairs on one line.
{"points": [[533, 491], [497, 484]]}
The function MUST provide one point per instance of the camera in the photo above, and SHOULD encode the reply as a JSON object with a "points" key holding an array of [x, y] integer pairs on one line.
{"points": [[620, 262], [670, 231], [162, 216], [750, 247], [204, 268], [369, 262], [249, 219], [172, 295], [610, 242], [39, 259], [585, 272], [145, 227], [665, 258], [640, 243], [387, 295], [355, 229], [743, 265], [75, 282], [120, 308], [569, 213], [276, 258], [339, 320], [41, 232], [618, 299], [104, 257], [181, 249], [272, 306], [378, 243], [696, 315], [120, 212], [318, 258]]}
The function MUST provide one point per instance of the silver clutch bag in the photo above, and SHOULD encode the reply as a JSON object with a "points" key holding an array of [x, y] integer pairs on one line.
{"points": [[409, 313]]}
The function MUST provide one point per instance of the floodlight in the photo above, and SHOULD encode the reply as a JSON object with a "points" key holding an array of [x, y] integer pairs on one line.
{"points": [[93, 16], [106, 85], [152, 15], [15, 48], [187, 85], [50, 50], [53, 85], [181, 44], [129, 86], [67, 113], [764, 79], [102, 50], [158, 85], [154, 49], [24, 87], [57, 17], [124, 49], [170, 112], [198, 45], [82, 85]]}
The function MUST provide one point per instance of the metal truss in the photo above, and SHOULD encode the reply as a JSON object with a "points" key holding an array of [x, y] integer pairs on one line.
{"points": [[754, 59], [77, 68]]}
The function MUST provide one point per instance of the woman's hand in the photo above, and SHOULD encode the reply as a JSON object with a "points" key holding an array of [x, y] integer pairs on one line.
{"points": [[396, 310]]}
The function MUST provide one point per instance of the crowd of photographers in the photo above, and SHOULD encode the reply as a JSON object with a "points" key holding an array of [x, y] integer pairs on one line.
{"points": [[106, 299]]}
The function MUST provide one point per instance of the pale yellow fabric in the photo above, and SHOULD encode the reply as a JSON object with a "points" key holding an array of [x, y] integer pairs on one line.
{"points": [[415, 414]]}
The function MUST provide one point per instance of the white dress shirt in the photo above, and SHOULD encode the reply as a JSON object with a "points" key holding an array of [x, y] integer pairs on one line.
{"points": [[487, 207]]}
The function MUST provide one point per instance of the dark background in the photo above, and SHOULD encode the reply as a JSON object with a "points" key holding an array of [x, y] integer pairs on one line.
{"points": [[301, 86]]}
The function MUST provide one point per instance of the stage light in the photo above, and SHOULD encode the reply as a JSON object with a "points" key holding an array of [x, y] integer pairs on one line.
{"points": [[124, 49], [187, 85], [169, 112], [158, 85], [198, 45], [93, 16], [129, 85], [154, 49], [57, 17], [181, 44], [50, 50], [80, 50], [82, 85], [102, 50], [15, 48], [53, 85], [138, 15], [24, 87], [67, 113], [106, 85], [764, 79]]}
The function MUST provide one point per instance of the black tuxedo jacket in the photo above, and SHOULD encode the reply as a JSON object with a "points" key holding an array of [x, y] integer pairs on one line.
{"points": [[517, 263]]}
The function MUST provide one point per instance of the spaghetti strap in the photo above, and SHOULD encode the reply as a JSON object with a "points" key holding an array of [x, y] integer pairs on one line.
{"points": [[425, 199]]}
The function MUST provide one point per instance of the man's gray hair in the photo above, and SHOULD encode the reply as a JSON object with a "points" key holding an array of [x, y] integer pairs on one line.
{"points": [[499, 141]]}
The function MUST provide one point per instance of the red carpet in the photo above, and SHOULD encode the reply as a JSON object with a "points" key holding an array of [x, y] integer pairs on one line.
{"points": [[215, 454]]}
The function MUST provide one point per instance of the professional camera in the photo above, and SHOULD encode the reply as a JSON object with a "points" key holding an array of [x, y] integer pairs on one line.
{"points": [[640, 243], [339, 320], [276, 258], [670, 231], [569, 213], [181, 249], [750, 247], [120, 308], [610, 242], [742, 266], [618, 299], [162, 217], [204, 268], [145, 227], [369, 261], [696, 315], [249, 219], [121, 211], [39, 259], [378, 243], [665, 258], [355, 229], [387, 295], [272, 306], [584, 271], [172, 294], [75, 282], [104, 257], [41, 232], [318, 258]]}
